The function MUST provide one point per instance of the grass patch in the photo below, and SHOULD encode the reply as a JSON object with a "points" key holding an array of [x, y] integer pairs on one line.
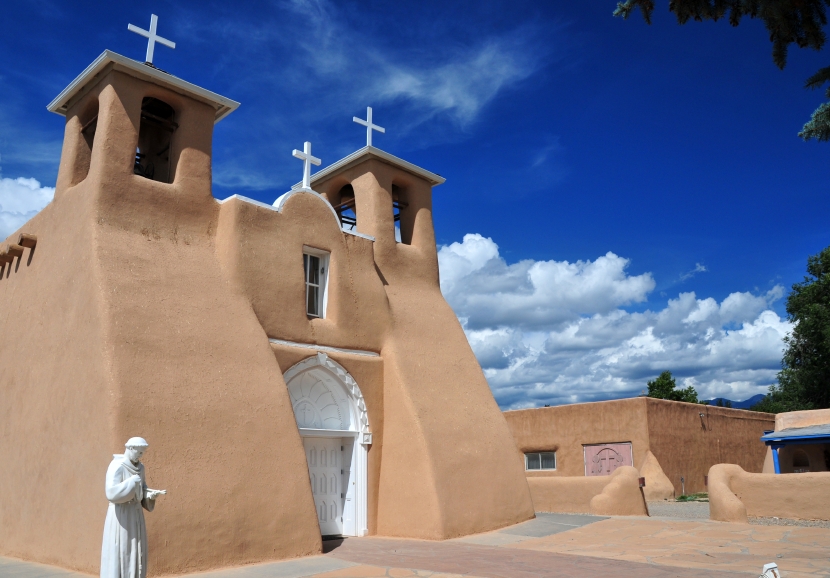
{"points": [[700, 497]]}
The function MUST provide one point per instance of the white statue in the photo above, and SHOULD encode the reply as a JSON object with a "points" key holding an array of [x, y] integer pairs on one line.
{"points": [[124, 551]]}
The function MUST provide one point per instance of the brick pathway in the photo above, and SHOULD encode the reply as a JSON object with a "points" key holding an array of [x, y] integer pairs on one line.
{"points": [[552, 545], [459, 559]]}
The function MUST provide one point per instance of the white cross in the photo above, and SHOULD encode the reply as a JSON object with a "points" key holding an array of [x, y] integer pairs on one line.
{"points": [[369, 126], [308, 160], [152, 37]]}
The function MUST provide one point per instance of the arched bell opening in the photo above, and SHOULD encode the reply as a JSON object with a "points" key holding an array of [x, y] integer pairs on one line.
{"points": [[333, 424], [346, 208], [155, 138]]}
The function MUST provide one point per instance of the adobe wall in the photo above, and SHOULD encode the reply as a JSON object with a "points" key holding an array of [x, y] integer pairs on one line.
{"points": [[805, 418], [261, 253], [57, 395], [152, 305], [569, 494], [134, 330], [616, 495], [566, 428], [672, 431], [412, 492], [687, 444], [442, 426], [194, 368], [735, 494]]}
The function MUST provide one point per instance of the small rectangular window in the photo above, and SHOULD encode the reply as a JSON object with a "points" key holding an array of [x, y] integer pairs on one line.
{"points": [[315, 268], [540, 461]]}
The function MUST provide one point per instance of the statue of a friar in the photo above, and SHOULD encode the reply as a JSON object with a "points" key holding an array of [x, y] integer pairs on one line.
{"points": [[124, 551]]}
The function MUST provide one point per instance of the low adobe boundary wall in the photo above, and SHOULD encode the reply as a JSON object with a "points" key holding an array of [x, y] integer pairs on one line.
{"points": [[735, 494], [616, 495]]}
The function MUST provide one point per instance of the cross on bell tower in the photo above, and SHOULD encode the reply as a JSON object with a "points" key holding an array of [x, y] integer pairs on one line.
{"points": [[152, 37], [369, 126]]}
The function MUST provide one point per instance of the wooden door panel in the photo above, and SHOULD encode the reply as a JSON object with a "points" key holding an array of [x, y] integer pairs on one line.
{"points": [[603, 459], [324, 458]]}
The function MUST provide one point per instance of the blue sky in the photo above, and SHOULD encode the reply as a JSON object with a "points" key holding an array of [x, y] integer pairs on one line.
{"points": [[620, 198]]}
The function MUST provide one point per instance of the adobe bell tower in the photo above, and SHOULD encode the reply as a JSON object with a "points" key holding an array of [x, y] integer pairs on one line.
{"points": [[132, 129]]}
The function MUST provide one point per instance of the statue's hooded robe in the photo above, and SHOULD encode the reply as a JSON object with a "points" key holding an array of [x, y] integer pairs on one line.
{"points": [[124, 550]]}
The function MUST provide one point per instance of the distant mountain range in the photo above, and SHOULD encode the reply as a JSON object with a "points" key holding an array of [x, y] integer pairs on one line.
{"points": [[745, 404]]}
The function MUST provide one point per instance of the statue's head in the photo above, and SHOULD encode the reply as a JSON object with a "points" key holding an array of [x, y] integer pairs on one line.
{"points": [[135, 448]]}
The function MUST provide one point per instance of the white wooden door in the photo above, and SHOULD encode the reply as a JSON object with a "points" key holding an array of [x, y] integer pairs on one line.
{"points": [[349, 485], [325, 462]]}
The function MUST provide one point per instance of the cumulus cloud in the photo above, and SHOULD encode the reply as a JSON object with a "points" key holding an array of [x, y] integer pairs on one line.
{"points": [[559, 332], [20, 200], [486, 291]]}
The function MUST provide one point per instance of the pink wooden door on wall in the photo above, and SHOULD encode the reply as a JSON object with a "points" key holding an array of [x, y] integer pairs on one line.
{"points": [[603, 459]]}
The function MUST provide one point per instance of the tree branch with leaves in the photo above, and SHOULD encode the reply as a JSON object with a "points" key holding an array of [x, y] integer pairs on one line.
{"points": [[799, 22], [665, 387], [804, 380]]}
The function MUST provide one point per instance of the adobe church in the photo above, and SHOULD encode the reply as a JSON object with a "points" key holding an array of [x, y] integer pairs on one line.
{"points": [[294, 367]]}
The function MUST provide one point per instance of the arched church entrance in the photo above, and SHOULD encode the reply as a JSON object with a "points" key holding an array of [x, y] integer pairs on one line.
{"points": [[334, 426]]}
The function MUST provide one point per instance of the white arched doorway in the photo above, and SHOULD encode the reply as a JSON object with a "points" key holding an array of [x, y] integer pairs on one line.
{"points": [[334, 426]]}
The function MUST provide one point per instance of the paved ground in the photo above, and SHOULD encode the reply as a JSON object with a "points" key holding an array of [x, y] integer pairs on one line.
{"points": [[10, 568], [700, 511], [761, 521], [719, 547], [553, 545], [685, 510]]}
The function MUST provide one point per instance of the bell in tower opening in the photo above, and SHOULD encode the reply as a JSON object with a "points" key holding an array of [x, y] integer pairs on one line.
{"points": [[152, 156]]}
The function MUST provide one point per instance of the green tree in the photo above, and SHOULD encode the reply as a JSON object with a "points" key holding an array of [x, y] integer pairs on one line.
{"points": [[664, 387], [804, 380], [798, 22]]}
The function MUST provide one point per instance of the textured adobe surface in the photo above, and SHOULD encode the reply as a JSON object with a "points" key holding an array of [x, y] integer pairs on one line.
{"points": [[735, 494], [615, 495], [681, 441], [146, 309]]}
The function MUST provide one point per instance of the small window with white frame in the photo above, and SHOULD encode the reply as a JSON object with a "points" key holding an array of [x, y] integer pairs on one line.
{"points": [[540, 461], [315, 267]]}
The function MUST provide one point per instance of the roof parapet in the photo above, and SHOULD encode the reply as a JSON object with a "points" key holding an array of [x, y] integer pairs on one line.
{"points": [[370, 152], [111, 61]]}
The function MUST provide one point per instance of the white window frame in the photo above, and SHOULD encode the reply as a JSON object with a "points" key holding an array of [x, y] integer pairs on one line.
{"points": [[323, 276], [540, 468]]}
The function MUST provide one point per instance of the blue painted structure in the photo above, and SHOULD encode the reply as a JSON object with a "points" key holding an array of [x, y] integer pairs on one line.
{"points": [[814, 434]]}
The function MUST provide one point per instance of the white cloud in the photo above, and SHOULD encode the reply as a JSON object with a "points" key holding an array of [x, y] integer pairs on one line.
{"points": [[558, 332], [456, 78], [487, 291], [20, 200], [689, 274], [463, 84], [319, 63]]}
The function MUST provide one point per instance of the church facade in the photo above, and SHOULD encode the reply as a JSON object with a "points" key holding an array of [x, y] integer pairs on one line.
{"points": [[294, 367]]}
